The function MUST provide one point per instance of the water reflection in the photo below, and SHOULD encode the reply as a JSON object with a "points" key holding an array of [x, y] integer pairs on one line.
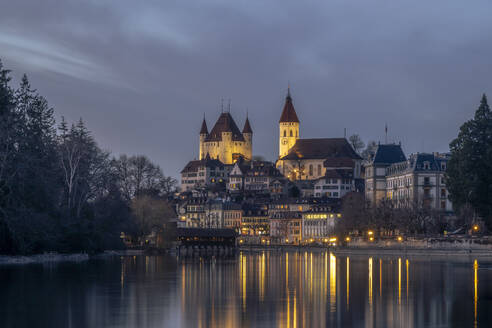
{"points": [[297, 289]]}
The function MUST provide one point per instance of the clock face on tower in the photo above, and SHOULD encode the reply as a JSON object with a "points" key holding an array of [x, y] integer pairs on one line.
{"points": [[284, 141]]}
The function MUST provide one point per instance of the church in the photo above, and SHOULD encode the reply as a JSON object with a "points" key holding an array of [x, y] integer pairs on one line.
{"points": [[225, 141], [309, 159]]}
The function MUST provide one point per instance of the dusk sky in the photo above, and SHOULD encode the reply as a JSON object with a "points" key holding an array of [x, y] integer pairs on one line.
{"points": [[143, 73]]}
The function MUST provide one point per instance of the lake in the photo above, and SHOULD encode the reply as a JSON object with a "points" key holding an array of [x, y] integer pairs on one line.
{"points": [[252, 289]]}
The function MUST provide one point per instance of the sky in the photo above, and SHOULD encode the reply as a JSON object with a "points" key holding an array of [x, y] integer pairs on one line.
{"points": [[142, 74]]}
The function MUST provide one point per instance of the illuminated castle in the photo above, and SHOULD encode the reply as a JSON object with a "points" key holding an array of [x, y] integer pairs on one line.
{"points": [[225, 141]]}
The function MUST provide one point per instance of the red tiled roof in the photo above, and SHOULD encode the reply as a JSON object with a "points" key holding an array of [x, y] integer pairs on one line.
{"points": [[204, 129], [225, 123], [321, 148], [247, 127], [288, 113]]}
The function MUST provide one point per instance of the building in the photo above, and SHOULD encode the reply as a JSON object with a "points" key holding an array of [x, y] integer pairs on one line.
{"points": [[338, 179], [233, 214], [255, 220], [286, 227], [204, 172], [375, 171], [226, 142], [302, 159], [318, 223], [192, 211], [420, 180], [256, 177]]}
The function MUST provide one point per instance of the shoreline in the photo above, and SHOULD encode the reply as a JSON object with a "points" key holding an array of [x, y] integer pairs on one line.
{"points": [[389, 251], [54, 257]]}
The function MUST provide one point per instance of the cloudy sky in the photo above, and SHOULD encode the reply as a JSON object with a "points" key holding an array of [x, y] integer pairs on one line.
{"points": [[143, 73]]}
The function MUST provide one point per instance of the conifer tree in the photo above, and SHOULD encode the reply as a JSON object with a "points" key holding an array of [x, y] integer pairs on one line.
{"points": [[469, 172]]}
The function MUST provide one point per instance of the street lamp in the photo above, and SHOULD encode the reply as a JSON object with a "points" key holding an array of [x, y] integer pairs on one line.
{"points": [[476, 228]]}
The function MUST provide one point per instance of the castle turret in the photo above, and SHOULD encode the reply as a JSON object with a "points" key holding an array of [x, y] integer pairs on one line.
{"points": [[248, 137], [203, 136], [288, 127]]}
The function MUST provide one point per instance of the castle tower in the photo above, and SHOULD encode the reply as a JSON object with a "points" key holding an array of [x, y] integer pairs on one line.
{"points": [[288, 127], [248, 137], [203, 136]]}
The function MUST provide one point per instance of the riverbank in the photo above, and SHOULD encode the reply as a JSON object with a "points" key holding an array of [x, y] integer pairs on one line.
{"points": [[435, 246], [58, 257]]}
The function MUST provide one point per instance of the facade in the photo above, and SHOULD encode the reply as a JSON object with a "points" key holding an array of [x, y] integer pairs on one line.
{"points": [[420, 180], [233, 214], [204, 172], [255, 220], [254, 176], [375, 171], [319, 222], [193, 212], [286, 227], [226, 142]]}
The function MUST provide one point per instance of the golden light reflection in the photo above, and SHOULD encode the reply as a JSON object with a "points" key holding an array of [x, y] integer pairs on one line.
{"points": [[262, 276], [407, 265], [399, 280], [294, 318], [380, 277], [287, 270], [243, 269], [475, 294], [325, 282], [348, 281], [333, 282], [370, 281]]}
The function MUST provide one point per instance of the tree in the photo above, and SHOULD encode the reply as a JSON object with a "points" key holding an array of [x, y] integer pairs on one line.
{"points": [[138, 175], [354, 214], [469, 178], [356, 143], [150, 213]]}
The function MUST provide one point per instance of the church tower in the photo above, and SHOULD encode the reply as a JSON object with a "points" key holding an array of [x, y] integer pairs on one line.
{"points": [[288, 127], [203, 136]]}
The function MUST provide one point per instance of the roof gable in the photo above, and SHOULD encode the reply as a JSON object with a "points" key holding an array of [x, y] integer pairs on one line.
{"points": [[288, 113]]}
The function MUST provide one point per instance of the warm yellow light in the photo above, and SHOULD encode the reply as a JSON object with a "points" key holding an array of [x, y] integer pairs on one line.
{"points": [[240, 241], [475, 227], [286, 240], [263, 240], [400, 238], [371, 238], [333, 239], [311, 240], [325, 240], [370, 232], [347, 239]]}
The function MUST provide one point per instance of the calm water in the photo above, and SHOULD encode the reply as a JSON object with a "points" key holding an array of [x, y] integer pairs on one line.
{"points": [[264, 289]]}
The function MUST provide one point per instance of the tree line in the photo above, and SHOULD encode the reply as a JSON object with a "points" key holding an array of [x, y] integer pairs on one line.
{"points": [[59, 191]]}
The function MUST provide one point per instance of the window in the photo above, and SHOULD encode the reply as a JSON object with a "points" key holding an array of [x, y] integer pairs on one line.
{"points": [[285, 133], [310, 169], [443, 205], [291, 133], [319, 168], [443, 193]]}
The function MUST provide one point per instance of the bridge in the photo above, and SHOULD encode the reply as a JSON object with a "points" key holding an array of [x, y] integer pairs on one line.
{"points": [[205, 237]]}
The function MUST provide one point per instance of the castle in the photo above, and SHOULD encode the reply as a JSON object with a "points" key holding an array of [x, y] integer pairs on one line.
{"points": [[298, 159], [225, 141]]}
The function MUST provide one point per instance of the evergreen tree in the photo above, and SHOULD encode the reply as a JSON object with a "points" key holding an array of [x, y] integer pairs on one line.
{"points": [[469, 172]]}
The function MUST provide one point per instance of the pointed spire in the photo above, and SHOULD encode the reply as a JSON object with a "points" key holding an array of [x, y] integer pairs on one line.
{"points": [[288, 113], [204, 129], [247, 126]]}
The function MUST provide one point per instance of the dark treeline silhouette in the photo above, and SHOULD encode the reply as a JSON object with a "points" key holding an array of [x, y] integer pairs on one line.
{"points": [[59, 191]]}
